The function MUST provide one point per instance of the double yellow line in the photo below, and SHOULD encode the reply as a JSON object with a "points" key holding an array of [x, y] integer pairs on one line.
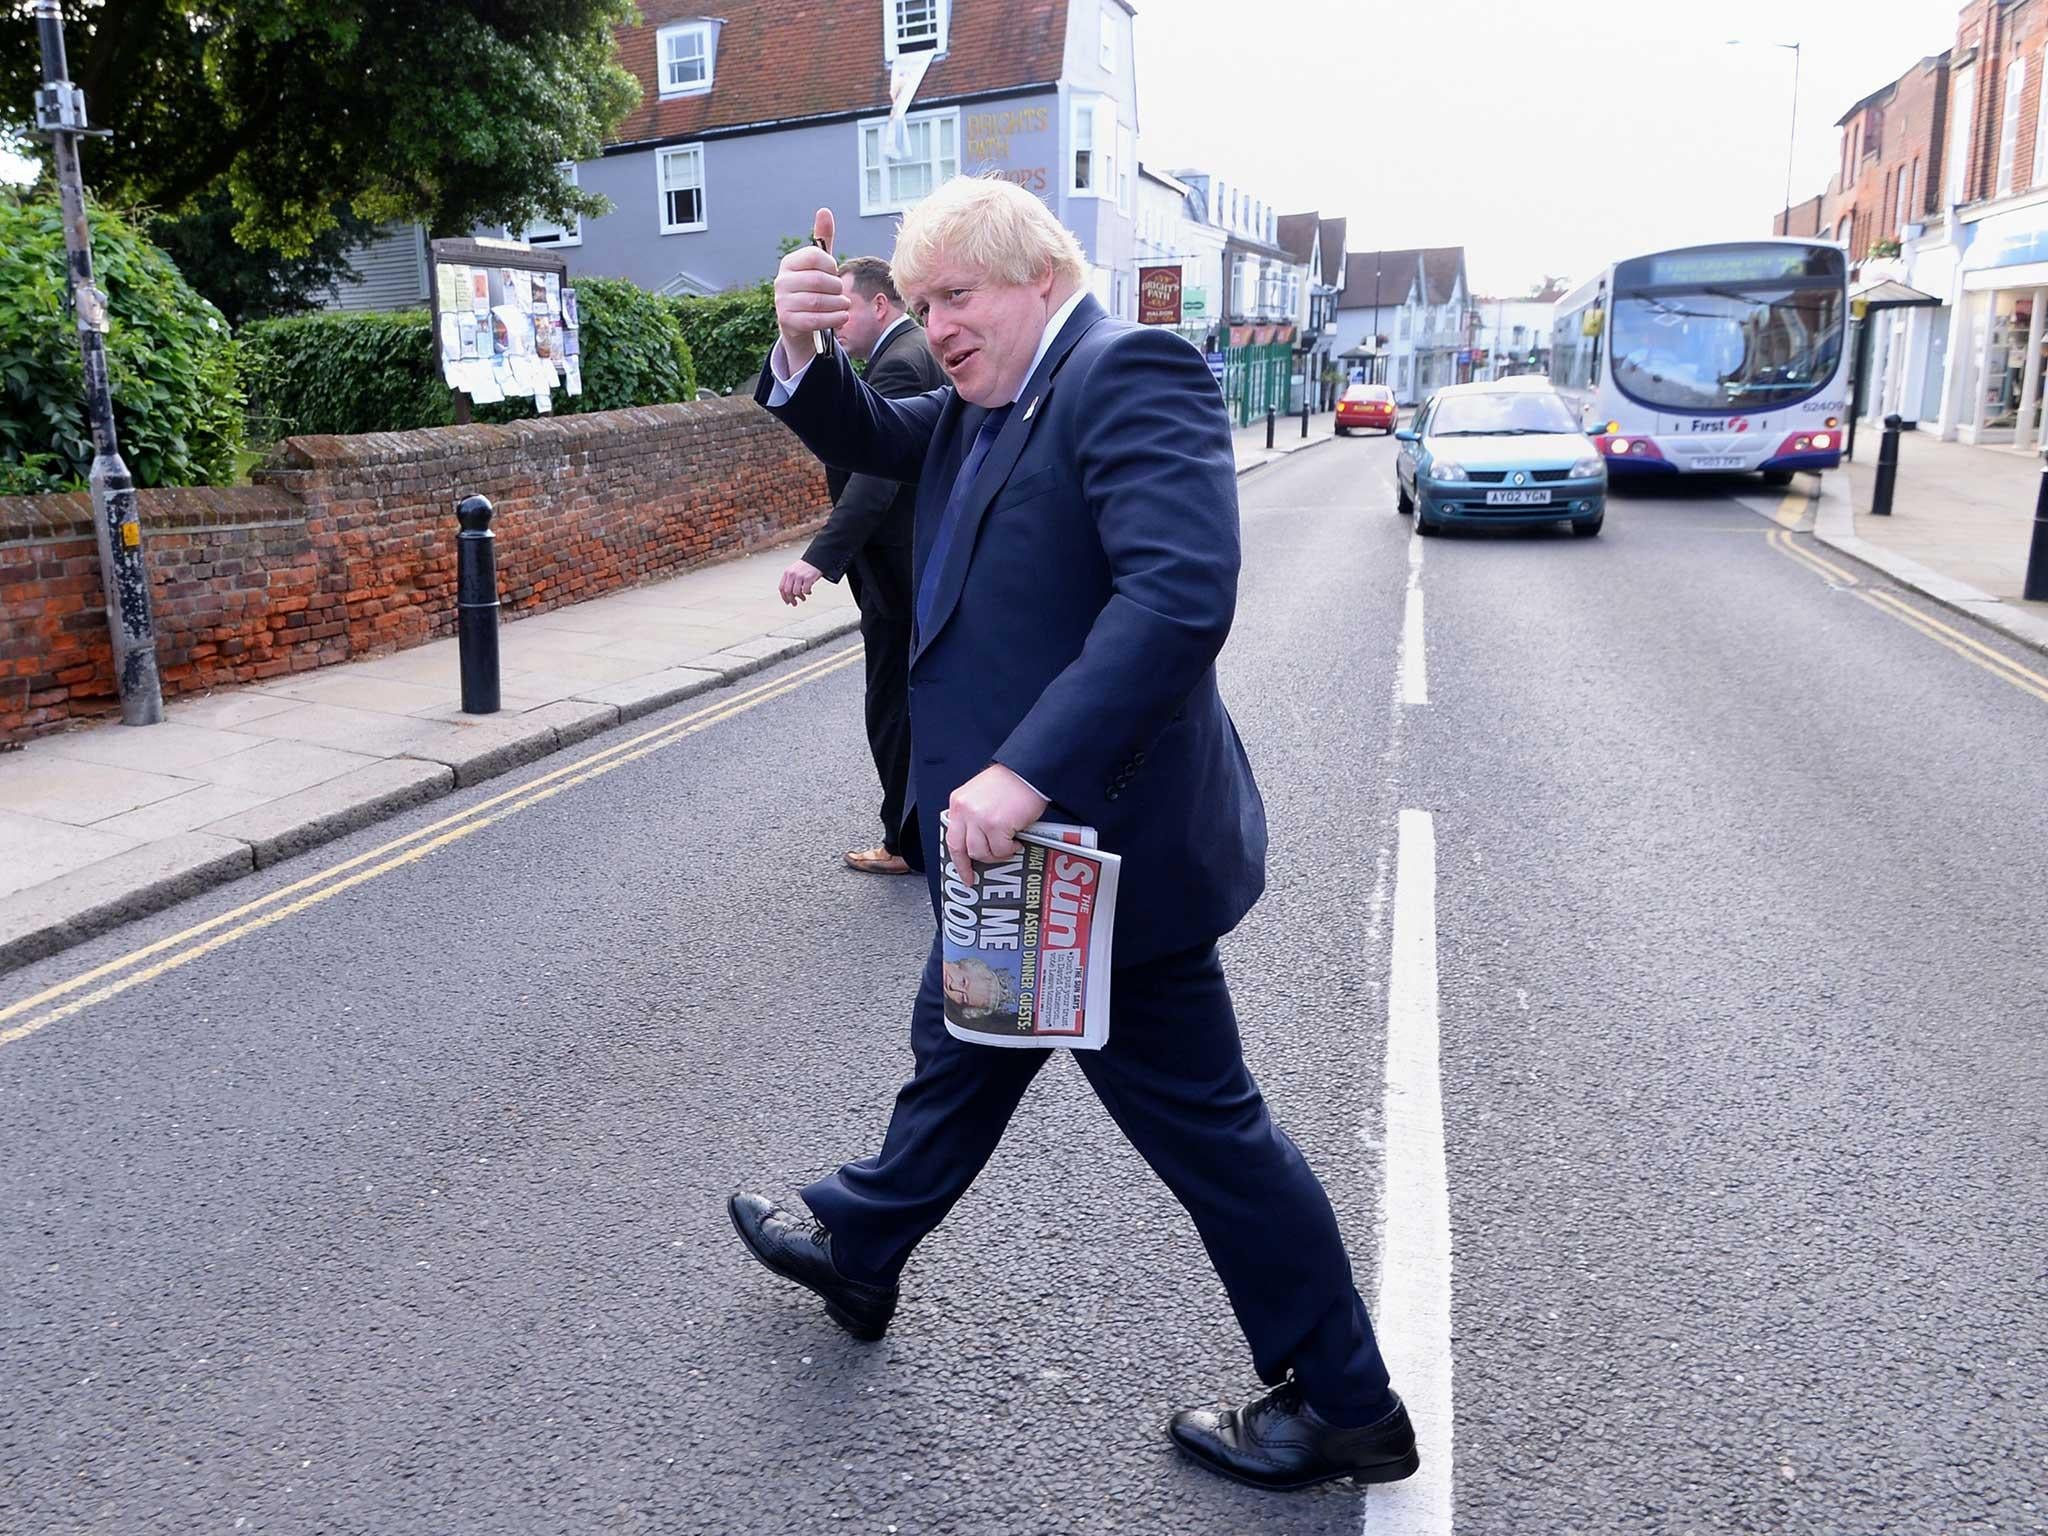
{"points": [[1997, 663], [55, 1003]]}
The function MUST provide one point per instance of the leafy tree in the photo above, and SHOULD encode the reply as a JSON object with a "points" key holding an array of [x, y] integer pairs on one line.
{"points": [[255, 283], [453, 113], [170, 361]]}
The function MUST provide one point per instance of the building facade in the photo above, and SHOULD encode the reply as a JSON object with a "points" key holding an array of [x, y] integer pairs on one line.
{"points": [[1513, 335], [1173, 229], [1403, 319], [738, 137], [1941, 199]]}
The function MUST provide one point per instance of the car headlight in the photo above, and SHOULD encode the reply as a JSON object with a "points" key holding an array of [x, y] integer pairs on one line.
{"points": [[1444, 470], [1587, 469]]}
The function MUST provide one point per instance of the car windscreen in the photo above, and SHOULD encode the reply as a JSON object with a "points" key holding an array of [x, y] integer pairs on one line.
{"points": [[1744, 343], [1505, 414], [1367, 394]]}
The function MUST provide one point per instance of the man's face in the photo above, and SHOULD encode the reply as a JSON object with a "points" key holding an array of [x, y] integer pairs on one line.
{"points": [[984, 333], [871, 317]]}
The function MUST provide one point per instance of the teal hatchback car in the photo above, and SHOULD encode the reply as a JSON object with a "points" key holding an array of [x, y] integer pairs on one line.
{"points": [[1507, 454]]}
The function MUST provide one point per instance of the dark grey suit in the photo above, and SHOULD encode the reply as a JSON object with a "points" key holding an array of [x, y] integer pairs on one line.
{"points": [[867, 540]]}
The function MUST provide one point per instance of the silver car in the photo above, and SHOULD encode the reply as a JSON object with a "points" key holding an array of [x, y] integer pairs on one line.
{"points": [[1506, 454]]}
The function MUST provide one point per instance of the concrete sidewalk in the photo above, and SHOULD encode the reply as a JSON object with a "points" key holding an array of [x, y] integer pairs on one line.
{"points": [[104, 824], [1962, 519], [1250, 442]]}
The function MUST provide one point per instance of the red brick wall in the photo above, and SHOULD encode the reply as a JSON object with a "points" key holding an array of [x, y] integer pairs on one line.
{"points": [[346, 546]]}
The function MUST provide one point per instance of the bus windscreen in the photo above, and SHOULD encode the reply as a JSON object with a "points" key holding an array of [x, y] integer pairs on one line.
{"points": [[1728, 328]]}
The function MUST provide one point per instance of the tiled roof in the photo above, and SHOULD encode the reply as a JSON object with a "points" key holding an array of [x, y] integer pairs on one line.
{"points": [[1390, 274], [1332, 236], [1441, 267], [1296, 235], [790, 59]]}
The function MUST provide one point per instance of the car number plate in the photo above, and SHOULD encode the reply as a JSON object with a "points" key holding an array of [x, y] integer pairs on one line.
{"points": [[1518, 498], [1717, 462]]}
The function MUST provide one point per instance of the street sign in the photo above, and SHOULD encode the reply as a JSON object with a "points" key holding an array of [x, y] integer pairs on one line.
{"points": [[1159, 295], [1194, 301]]}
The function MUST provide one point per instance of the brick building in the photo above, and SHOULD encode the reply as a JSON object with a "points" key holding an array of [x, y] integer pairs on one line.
{"points": [[1942, 186], [1890, 161]]}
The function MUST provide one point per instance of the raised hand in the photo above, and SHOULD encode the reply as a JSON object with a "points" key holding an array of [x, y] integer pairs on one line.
{"points": [[808, 298]]}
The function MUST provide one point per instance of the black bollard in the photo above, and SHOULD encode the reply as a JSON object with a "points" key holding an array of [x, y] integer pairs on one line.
{"points": [[2035, 589], [1887, 469], [1304, 413], [476, 605], [1272, 415]]}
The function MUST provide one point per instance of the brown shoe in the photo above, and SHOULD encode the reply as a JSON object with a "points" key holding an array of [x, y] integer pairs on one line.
{"points": [[877, 861]]}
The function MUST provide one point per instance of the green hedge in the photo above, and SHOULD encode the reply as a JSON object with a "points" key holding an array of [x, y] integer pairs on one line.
{"points": [[729, 335], [344, 372], [170, 359]]}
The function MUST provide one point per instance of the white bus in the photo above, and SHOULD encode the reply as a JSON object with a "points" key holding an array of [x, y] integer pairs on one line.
{"points": [[1713, 358]]}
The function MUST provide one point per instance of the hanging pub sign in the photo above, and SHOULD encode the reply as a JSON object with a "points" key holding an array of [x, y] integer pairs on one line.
{"points": [[1159, 295]]}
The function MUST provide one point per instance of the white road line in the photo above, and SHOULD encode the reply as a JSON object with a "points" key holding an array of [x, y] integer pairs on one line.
{"points": [[1414, 663], [1413, 1317]]}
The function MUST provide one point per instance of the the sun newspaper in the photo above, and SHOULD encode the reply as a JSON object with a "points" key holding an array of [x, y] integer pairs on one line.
{"points": [[1026, 947]]}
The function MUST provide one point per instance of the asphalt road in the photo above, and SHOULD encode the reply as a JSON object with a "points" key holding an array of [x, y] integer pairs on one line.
{"points": [[400, 1208]]}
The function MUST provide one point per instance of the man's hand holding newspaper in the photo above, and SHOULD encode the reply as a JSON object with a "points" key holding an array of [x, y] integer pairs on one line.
{"points": [[1025, 940]]}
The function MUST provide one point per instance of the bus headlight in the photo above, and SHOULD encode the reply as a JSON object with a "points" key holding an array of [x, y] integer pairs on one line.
{"points": [[1444, 470]]}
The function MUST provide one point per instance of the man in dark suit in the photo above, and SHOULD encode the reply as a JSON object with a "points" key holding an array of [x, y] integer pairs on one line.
{"points": [[867, 541], [1075, 570]]}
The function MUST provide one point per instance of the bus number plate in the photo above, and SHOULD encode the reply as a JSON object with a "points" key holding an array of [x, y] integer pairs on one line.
{"points": [[1717, 462]]}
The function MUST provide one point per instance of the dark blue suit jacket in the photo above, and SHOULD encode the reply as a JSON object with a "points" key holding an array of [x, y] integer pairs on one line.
{"points": [[1075, 628]]}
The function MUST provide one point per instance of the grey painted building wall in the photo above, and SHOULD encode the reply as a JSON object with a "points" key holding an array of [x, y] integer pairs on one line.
{"points": [[1073, 144], [761, 187]]}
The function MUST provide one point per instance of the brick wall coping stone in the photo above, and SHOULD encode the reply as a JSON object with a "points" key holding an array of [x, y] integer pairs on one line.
{"points": [[39, 519]]}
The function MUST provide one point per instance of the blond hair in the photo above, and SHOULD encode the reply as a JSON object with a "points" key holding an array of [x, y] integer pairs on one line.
{"points": [[992, 227]]}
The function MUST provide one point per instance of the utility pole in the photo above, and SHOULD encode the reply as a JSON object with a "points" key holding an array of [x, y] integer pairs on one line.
{"points": [[124, 573]]}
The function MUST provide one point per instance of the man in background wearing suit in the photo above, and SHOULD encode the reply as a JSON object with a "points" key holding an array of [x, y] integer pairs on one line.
{"points": [[1075, 575], [867, 540]]}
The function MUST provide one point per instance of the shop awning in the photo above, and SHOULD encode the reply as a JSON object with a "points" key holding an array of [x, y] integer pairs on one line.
{"points": [[1888, 293]]}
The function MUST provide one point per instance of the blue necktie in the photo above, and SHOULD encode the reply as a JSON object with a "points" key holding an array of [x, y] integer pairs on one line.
{"points": [[956, 504]]}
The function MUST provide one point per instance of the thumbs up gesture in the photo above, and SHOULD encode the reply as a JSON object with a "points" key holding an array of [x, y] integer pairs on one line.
{"points": [[808, 297]]}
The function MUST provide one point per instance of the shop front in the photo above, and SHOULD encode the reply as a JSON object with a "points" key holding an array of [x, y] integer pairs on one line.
{"points": [[2001, 338]]}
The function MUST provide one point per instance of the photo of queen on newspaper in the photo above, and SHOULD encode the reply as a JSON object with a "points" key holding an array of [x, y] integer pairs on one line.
{"points": [[1026, 947]]}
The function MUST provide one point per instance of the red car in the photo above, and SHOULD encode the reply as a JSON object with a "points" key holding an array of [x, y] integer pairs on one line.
{"points": [[1367, 405]]}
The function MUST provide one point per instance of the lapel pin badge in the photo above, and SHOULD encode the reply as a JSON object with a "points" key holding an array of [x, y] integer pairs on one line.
{"points": [[1031, 409]]}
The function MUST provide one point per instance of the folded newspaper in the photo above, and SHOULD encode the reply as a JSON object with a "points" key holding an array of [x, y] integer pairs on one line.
{"points": [[1026, 947]]}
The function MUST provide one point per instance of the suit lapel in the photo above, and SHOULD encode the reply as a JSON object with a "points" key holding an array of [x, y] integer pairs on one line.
{"points": [[995, 469], [889, 341]]}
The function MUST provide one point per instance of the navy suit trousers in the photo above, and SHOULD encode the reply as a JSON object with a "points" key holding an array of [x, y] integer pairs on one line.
{"points": [[1173, 1077]]}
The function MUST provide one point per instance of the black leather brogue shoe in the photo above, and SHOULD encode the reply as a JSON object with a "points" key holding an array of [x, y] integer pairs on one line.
{"points": [[1278, 1441], [801, 1250]]}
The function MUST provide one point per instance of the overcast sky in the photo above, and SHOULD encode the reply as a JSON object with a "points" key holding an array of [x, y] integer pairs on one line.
{"points": [[1545, 138]]}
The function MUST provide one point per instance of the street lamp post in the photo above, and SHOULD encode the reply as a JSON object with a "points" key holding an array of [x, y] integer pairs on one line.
{"points": [[124, 574], [1792, 140]]}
